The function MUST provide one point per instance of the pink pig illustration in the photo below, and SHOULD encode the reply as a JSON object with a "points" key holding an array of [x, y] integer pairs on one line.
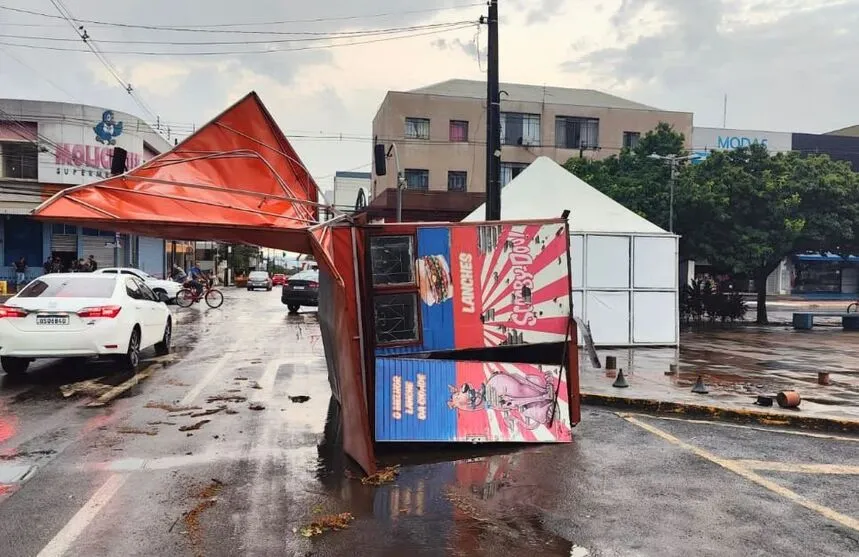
{"points": [[531, 398]]}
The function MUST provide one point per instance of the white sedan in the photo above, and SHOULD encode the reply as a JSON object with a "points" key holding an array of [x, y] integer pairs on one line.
{"points": [[82, 315], [168, 288]]}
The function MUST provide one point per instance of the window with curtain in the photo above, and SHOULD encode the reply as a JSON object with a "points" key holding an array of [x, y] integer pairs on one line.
{"points": [[577, 133], [417, 179], [417, 128], [458, 130], [510, 170], [520, 129], [630, 139], [457, 180]]}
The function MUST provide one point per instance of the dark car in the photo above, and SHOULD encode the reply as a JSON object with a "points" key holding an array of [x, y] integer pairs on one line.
{"points": [[301, 289]]}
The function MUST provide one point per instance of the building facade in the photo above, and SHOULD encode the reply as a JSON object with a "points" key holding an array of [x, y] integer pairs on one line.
{"points": [[440, 131], [48, 146], [351, 192]]}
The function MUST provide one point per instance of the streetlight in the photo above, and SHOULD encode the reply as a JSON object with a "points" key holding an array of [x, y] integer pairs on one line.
{"points": [[673, 160]]}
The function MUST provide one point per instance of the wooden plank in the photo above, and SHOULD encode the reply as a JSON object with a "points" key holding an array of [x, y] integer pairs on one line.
{"points": [[121, 388]]}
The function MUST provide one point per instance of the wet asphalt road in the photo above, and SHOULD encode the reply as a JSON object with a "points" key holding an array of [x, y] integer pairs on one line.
{"points": [[123, 480]]}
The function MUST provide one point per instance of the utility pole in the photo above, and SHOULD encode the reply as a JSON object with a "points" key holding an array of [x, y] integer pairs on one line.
{"points": [[493, 120]]}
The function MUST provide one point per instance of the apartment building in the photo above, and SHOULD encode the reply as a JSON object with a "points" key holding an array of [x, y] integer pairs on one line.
{"points": [[440, 130]]}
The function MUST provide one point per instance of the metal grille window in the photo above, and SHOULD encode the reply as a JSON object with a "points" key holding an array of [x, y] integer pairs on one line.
{"points": [[520, 129], [417, 128], [459, 130], [396, 317], [577, 133], [457, 180], [630, 139], [417, 179], [19, 160], [392, 259]]}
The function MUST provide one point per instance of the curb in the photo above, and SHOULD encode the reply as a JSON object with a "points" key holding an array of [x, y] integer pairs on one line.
{"points": [[663, 408]]}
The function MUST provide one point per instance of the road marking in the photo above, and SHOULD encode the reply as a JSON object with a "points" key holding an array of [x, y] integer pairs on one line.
{"points": [[216, 369], [773, 466], [737, 468], [268, 378], [743, 426], [75, 527]]}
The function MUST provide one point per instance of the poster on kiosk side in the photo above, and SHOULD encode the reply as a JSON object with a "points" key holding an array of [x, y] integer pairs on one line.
{"points": [[481, 286]]}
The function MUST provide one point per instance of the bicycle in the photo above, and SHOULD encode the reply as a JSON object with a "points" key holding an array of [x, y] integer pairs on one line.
{"points": [[189, 296]]}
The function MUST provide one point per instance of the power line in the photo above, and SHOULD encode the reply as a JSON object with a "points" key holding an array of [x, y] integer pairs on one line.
{"points": [[303, 36], [223, 27], [82, 33], [451, 27]]}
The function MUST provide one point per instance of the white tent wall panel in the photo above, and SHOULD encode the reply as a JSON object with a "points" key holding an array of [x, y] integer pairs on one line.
{"points": [[650, 325], [649, 263], [626, 287], [609, 318]]}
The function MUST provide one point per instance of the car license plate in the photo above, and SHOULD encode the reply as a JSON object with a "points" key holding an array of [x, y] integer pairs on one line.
{"points": [[52, 320], [298, 288]]}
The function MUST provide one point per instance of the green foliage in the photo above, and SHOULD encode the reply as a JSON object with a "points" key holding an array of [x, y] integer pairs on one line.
{"points": [[701, 300], [742, 211]]}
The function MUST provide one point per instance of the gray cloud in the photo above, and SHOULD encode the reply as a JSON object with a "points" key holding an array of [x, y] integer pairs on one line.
{"points": [[790, 73], [544, 11]]}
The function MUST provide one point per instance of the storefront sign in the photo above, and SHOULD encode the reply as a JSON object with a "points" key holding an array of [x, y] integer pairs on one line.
{"points": [[705, 140]]}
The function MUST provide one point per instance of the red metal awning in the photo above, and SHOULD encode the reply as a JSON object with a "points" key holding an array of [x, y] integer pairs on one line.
{"points": [[237, 179]]}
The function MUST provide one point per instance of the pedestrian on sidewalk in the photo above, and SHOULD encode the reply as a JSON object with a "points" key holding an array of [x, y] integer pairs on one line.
{"points": [[20, 272]]}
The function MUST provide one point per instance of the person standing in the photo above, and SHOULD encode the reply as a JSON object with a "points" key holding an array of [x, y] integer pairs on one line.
{"points": [[93, 266], [20, 271]]}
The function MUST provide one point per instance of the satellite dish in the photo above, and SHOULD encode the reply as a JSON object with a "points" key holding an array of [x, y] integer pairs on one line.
{"points": [[361, 200]]}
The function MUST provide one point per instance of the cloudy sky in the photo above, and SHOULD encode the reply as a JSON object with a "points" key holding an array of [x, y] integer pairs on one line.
{"points": [[786, 65]]}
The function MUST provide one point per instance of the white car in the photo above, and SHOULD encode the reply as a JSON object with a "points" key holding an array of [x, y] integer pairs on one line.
{"points": [[168, 288], [71, 315]]}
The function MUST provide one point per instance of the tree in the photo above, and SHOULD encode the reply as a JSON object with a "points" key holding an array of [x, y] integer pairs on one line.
{"points": [[632, 178], [744, 211]]}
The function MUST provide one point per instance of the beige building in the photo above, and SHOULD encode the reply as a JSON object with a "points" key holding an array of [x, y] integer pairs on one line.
{"points": [[440, 130]]}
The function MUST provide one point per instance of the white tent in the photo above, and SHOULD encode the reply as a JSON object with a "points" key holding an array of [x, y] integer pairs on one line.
{"points": [[625, 281]]}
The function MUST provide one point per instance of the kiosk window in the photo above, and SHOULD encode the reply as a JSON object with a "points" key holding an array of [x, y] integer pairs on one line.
{"points": [[396, 317], [392, 259]]}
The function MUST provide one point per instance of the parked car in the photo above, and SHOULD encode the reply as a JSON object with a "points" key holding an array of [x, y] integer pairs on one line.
{"points": [[278, 280], [165, 288], [302, 289], [259, 279], [68, 315]]}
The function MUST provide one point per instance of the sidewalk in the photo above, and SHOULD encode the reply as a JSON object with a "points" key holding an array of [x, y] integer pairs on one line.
{"points": [[738, 365]]}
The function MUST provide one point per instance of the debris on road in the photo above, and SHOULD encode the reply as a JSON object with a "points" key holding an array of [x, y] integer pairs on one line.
{"points": [[108, 397], [383, 476], [240, 378], [194, 426], [230, 411], [91, 387], [191, 519], [299, 398], [177, 383], [226, 398], [255, 385], [208, 412], [256, 406], [137, 431], [13, 456], [170, 407], [328, 522], [234, 390], [160, 423]]}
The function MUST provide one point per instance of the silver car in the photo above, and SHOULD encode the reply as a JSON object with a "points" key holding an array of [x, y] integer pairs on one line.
{"points": [[259, 279]]}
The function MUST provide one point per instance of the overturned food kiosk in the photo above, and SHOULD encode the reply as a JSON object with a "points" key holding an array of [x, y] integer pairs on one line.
{"points": [[433, 332]]}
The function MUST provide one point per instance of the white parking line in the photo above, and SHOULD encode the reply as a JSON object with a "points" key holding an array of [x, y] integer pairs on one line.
{"points": [[216, 369], [75, 527]]}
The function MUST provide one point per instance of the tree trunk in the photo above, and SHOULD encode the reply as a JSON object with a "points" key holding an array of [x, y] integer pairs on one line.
{"points": [[761, 288]]}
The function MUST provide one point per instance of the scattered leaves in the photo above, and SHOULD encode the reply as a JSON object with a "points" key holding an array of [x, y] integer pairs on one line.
{"points": [[328, 522], [226, 398], [240, 378], [208, 496], [230, 411], [299, 398], [160, 423], [256, 406], [255, 385], [170, 407], [194, 426], [208, 412], [137, 431], [383, 476]]}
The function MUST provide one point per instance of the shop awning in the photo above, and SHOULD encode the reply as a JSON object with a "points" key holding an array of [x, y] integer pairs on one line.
{"points": [[237, 179], [831, 257]]}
